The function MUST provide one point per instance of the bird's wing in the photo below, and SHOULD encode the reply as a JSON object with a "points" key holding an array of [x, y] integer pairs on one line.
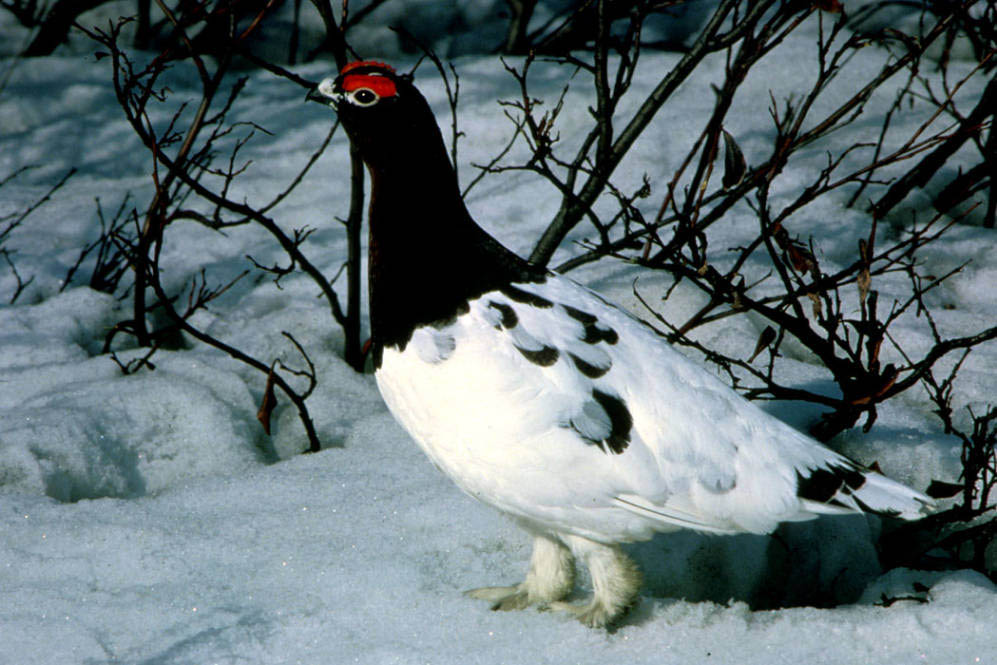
{"points": [[658, 434]]}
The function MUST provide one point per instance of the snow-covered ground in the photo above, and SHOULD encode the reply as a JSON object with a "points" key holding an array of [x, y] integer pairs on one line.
{"points": [[148, 519]]}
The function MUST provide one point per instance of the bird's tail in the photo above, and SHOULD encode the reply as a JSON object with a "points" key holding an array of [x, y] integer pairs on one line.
{"points": [[842, 486]]}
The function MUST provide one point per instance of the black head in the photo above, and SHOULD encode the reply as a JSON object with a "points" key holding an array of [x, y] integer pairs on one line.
{"points": [[427, 256], [383, 113]]}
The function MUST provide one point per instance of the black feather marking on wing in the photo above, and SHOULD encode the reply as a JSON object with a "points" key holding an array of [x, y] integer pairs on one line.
{"points": [[579, 315], [587, 368], [525, 297], [853, 478], [819, 486], [507, 314], [608, 335], [545, 356], [822, 484], [621, 422], [593, 331]]}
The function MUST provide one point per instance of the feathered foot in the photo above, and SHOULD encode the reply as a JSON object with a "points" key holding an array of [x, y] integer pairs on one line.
{"points": [[550, 578], [616, 583]]}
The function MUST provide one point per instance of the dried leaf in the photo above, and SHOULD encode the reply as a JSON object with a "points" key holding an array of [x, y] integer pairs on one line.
{"points": [[939, 489], [802, 259], [864, 279], [734, 164], [796, 253], [817, 307], [269, 402], [737, 302], [764, 339], [829, 6]]}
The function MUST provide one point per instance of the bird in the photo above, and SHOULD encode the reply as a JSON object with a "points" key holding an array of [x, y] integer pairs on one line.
{"points": [[539, 397]]}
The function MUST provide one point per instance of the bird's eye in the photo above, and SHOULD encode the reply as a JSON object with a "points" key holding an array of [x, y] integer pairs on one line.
{"points": [[364, 97]]}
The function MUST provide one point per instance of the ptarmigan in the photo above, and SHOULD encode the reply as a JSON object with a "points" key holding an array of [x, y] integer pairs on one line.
{"points": [[542, 399]]}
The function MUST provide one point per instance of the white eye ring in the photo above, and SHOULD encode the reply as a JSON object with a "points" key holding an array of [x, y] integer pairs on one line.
{"points": [[363, 97]]}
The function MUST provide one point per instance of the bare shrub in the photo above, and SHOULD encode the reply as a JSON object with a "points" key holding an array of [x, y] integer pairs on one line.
{"points": [[777, 277], [190, 185], [9, 222]]}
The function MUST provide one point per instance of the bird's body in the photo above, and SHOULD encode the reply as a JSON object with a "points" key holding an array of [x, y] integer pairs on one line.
{"points": [[538, 397], [574, 417]]}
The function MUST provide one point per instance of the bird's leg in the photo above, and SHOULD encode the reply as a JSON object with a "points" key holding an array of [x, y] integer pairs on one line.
{"points": [[551, 577], [616, 583]]}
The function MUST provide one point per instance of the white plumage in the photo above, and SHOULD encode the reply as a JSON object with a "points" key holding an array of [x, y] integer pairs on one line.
{"points": [[529, 438], [538, 397], [521, 436]]}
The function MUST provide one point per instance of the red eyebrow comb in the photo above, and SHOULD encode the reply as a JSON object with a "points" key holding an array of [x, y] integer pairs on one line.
{"points": [[374, 64], [375, 76]]}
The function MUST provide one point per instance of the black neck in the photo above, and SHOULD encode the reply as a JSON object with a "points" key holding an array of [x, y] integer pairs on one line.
{"points": [[427, 255]]}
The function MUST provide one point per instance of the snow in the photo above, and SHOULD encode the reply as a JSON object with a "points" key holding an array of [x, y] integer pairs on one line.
{"points": [[147, 518]]}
